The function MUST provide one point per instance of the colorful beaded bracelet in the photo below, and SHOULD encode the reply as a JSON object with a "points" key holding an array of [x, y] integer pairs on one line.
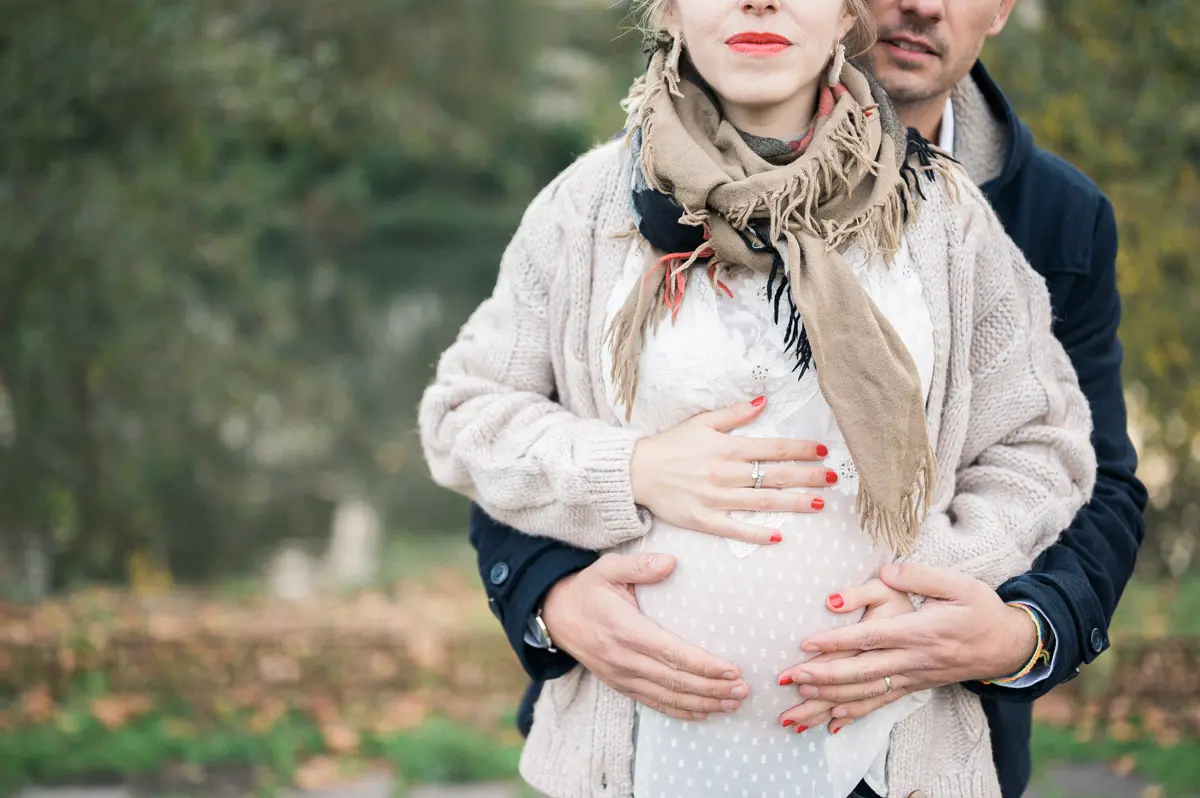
{"points": [[1039, 653]]}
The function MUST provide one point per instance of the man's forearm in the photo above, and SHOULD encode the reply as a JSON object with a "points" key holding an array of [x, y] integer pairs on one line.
{"points": [[1077, 582], [518, 571]]}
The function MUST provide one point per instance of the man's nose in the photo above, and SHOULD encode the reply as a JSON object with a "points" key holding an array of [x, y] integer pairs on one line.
{"points": [[925, 9], [759, 6]]}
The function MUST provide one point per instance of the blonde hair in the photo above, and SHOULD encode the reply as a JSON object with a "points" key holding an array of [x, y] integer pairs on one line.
{"points": [[650, 18]]}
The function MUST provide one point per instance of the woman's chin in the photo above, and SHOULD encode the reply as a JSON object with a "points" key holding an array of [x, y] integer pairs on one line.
{"points": [[760, 98]]}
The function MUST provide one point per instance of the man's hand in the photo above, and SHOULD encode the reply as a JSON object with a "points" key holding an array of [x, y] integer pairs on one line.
{"points": [[594, 616], [962, 633], [880, 602]]}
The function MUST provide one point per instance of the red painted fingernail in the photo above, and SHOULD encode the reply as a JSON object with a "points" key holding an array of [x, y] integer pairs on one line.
{"points": [[784, 681], [818, 503], [831, 477], [777, 538], [836, 602], [758, 401], [800, 729], [787, 723], [838, 729], [822, 450]]}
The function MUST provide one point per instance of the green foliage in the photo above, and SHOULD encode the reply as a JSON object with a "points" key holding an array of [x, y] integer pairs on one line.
{"points": [[235, 235], [230, 232], [78, 747], [1176, 768], [1110, 86]]}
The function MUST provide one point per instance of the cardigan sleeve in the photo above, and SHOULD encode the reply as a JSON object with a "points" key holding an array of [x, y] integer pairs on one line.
{"points": [[1027, 464], [488, 427]]}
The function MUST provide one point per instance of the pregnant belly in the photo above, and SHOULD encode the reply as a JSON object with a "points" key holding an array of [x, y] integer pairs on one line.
{"points": [[756, 609]]}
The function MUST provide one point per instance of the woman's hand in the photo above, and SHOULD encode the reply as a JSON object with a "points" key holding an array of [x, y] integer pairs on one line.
{"points": [[694, 474], [880, 602]]}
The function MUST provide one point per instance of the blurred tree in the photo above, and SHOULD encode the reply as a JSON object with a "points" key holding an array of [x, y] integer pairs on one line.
{"points": [[215, 217], [1110, 86]]}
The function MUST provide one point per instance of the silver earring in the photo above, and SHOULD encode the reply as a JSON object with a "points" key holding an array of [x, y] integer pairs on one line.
{"points": [[836, 62]]}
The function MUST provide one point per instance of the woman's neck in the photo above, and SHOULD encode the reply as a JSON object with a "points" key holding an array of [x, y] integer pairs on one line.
{"points": [[787, 120]]}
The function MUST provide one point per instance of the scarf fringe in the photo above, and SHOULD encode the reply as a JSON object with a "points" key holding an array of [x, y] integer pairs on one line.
{"points": [[899, 528], [879, 228], [922, 158]]}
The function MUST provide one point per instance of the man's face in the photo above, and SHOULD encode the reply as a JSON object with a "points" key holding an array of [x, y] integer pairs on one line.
{"points": [[925, 47]]}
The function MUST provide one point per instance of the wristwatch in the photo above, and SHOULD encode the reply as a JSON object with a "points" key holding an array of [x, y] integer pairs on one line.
{"points": [[537, 634]]}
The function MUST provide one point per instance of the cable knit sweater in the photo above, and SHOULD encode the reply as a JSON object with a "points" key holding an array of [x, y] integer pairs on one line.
{"points": [[1009, 424]]}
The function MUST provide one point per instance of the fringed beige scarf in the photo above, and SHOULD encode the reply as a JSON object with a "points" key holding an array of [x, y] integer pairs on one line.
{"points": [[845, 188]]}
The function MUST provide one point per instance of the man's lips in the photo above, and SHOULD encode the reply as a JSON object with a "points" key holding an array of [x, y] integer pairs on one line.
{"points": [[909, 46], [758, 43]]}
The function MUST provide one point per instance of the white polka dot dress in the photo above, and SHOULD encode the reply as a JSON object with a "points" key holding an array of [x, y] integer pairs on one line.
{"points": [[752, 604]]}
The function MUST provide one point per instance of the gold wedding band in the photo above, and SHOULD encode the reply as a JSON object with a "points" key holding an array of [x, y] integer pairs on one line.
{"points": [[887, 682]]}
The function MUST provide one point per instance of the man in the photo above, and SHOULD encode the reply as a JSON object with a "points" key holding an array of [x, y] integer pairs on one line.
{"points": [[561, 607]]}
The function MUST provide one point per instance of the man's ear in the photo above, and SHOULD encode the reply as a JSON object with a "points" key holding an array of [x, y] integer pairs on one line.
{"points": [[1001, 18]]}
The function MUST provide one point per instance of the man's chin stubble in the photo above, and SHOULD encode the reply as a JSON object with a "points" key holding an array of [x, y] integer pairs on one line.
{"points": [[901, 94]]}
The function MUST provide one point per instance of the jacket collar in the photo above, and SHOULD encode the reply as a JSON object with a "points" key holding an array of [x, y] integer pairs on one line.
{"points": [[1019, 146]]}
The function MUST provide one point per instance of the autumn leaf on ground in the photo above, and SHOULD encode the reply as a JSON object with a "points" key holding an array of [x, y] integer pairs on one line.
{"points": [[318, 773], [36, 704], [1055, 709], [115, 711], [266, 717], [322, 709], [1124, 766], [401, 714], [340, 738]]}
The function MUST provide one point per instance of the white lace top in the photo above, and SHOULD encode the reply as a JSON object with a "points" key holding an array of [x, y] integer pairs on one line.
{"points": [[748, 603]]}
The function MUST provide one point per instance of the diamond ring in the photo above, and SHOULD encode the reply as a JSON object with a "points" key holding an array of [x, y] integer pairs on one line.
{"points": [[757, 474]]}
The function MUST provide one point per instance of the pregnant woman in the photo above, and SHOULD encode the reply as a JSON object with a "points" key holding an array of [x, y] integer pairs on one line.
{"points": [[770, 335]]}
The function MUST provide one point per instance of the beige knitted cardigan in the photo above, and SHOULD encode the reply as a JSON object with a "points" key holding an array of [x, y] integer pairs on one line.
{"points": [[1009, 424]]}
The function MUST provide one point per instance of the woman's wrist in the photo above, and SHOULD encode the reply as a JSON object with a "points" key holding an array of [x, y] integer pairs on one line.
{"points": [[640, 468]]}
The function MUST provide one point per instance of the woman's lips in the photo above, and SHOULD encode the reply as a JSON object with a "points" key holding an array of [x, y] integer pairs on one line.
{"points": [[757, 43]]}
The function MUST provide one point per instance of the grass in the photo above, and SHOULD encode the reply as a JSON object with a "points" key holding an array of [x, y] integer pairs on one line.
{"points": [[77, 749], [1175, 768]]}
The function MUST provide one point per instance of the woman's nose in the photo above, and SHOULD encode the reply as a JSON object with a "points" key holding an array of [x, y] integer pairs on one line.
{"points": [[759, 6]]}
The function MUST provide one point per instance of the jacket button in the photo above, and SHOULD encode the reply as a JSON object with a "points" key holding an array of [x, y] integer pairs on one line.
{"points": [[1097, 640], [499, 574]]}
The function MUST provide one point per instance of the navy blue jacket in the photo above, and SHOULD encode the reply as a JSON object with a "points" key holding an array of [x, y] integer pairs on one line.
{"points": [[1066, 228]]}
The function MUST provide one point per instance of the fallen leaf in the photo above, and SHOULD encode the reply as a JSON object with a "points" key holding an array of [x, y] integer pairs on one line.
{"points": [[318, 773], [115, 711], [1124, 766], [278, 669], [265, 718], [1121, 730], [402, 714], [37, 705], [340, 738]]}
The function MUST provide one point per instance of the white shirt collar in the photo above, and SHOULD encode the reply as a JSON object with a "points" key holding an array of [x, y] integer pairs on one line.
{"points": [[946, 137]]}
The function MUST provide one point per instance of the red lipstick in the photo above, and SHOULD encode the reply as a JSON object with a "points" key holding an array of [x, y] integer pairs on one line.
{"points": [[758, 43]]}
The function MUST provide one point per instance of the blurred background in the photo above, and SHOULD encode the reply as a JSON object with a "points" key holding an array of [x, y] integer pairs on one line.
{"points": [[234, 237]]}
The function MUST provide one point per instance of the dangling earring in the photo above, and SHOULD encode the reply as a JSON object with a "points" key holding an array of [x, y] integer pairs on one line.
{"points": [[671, 66], [837, 60]]}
